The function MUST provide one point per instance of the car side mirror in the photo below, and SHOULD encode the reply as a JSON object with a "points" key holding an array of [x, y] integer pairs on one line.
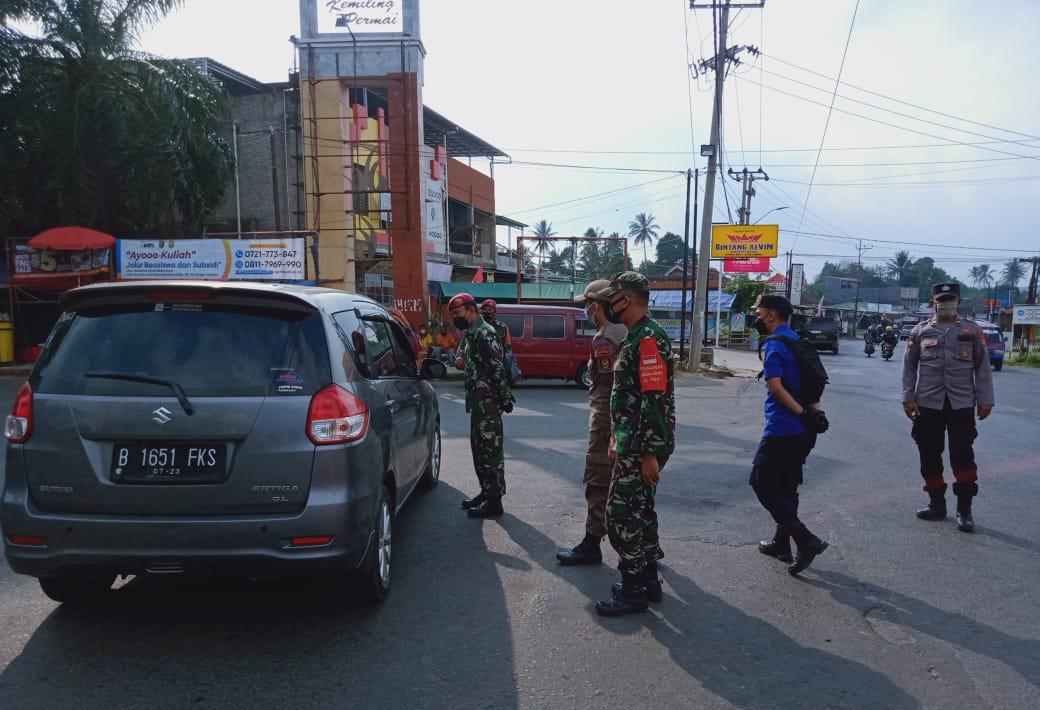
{"points": [[433, 369]]}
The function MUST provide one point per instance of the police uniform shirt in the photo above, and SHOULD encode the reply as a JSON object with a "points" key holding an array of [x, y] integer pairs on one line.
{"points": [[947, 360]]}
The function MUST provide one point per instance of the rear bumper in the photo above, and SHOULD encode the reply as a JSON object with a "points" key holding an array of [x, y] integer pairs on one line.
{"points": [[137, 545], [996, 356]]}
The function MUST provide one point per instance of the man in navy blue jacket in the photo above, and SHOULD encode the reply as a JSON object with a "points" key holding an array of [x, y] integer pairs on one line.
{"points": [[789, 436]]}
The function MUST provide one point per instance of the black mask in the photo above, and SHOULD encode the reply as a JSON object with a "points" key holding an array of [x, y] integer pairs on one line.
{"points": [[612, 315], [460, 322], [759, 325], [489, 317]]}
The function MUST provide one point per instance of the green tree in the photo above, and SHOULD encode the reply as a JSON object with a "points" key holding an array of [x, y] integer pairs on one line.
{"points": [[746, 291], [1013, 272], [643, 230], [900, 267], [543, 229], [96, 133], [670, 250]]}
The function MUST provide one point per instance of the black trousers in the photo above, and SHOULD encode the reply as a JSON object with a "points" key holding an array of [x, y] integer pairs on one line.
{"points": [[930, 431], [776, 473]]}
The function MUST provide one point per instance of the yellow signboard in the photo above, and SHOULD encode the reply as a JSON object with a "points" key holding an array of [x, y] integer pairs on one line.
{"points": [[742, 241]]}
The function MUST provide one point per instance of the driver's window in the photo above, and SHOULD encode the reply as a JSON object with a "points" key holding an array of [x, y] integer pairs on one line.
{"points": [[406, 365], [383, 360]]}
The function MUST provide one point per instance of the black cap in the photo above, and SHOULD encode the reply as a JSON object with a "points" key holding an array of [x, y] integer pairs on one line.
{"points": [[775, 302], [946, 289]]}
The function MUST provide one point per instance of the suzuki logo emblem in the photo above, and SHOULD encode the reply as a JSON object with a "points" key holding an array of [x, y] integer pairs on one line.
{"points": [[162, 415]]}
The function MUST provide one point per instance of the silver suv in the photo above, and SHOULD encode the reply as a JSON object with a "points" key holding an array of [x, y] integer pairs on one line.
{"points": [[175, 427]]}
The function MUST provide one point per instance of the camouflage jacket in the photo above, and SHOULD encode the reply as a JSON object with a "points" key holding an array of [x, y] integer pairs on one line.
{"points": [[485, 371], [642, 402], [503, 335]]}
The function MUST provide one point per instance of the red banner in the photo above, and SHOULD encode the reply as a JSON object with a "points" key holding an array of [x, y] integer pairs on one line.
{"points": [[752, 265]]}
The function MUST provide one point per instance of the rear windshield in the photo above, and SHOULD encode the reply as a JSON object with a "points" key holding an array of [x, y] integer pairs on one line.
{"points": [[209, 350], [993, 336], [822, 324]]}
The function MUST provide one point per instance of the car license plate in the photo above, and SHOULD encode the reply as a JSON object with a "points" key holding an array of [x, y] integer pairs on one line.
{"points": [[169, 463]]}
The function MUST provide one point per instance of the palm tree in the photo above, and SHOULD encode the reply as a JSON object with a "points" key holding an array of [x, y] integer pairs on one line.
{"points": [[900, 266], [1013, 272], [99, 134], [981, 277], [643, 230], [543, 228]]}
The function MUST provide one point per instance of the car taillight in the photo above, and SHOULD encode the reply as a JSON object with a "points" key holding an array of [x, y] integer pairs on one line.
{"points": [[336, 417], [19, 422]]}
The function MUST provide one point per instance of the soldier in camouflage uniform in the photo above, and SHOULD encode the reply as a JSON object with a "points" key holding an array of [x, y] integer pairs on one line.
{"points": [[642, 413], [487, 397], [598, 464], [489, 309]]}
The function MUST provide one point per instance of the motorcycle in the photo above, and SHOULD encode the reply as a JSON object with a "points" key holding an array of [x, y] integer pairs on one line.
{"points": [[887, 349], [868, 346]]}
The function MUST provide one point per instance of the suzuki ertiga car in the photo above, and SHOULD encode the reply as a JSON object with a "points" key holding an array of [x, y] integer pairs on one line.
{"points": [[173, 427]]}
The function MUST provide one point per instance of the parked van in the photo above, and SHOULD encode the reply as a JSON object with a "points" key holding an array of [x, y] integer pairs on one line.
{"points": [[550, 342], [995, 343]]}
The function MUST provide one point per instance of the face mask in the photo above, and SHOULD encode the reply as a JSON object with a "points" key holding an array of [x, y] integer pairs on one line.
{"points": [[460, 322], [760, 325], [946, 308], [422, 331], [489, 317], [611, 313]]}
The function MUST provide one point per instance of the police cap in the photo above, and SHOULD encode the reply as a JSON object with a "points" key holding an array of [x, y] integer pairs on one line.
{"points": [[946, 289], [592, 293]]}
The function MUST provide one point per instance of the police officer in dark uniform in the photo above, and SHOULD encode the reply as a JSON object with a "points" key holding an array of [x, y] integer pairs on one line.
{"points": [[946, 381], [603, 352]]}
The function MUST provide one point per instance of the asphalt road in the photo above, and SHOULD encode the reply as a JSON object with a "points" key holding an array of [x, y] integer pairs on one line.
{"points": [[898, 613]]}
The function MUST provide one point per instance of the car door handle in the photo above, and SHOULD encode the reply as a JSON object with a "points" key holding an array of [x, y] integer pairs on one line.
{"points": [[391, 405]]}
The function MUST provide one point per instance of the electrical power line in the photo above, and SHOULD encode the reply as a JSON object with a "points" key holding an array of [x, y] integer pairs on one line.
{"points": [[589, 198], [827, 122]]}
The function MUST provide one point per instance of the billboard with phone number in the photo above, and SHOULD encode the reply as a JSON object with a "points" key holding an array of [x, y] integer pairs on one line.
{"points": [[212, 259]]}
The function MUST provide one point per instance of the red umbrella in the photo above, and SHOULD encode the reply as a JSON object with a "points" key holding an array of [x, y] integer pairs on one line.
{"points": [[72, 239]]}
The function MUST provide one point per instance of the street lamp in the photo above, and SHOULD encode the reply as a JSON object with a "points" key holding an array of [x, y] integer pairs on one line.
{"points": [[775, 209]]}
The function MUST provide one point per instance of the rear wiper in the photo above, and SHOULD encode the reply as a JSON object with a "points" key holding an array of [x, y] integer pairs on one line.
{"points": [[145, 379]]}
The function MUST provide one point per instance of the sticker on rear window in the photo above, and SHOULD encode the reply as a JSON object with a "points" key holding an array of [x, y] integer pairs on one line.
{"points": [[287, 380], [175, 307]]}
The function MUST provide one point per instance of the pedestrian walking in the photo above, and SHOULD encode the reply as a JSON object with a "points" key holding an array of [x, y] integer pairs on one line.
{"points": [[602, 354], [792, 422], [487, 397], [642, 415], [946, 381]]}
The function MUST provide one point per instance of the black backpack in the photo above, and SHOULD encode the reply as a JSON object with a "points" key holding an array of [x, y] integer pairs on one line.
{"points": [[810, 368]]}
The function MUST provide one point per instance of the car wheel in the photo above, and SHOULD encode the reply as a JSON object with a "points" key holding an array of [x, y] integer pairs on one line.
{"points": [[433, 472], [584, 377], [78, 589], [998, 366], [374, 583]]}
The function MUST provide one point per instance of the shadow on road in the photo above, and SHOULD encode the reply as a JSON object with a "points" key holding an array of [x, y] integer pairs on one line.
{"points": [[442, 638], [964, 632]]}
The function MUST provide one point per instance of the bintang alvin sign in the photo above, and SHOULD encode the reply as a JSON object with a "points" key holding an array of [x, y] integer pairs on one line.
{"points": [[742, 241], [359, 16]]}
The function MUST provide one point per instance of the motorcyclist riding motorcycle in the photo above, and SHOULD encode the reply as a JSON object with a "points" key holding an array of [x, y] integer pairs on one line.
{"points": [[888, 342]]}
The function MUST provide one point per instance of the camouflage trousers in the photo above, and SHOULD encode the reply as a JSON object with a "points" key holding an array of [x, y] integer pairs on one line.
{"points": [[631, 518], [485, 441]]}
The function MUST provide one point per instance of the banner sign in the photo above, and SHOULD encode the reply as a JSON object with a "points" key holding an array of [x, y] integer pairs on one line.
{"points": [[434, 171], [1025, 315], [797, 283], [360, 16], [733, 241], [754, 265], [212, 259], [43, 264]]}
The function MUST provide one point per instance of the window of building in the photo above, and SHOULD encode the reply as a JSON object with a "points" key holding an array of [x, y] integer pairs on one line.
{"points": [[547, 327]]}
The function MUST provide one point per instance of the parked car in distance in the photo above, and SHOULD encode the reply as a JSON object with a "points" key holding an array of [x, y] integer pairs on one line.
{"points": [[822, 332], [996, 343], [550, 342], [178, 427]]}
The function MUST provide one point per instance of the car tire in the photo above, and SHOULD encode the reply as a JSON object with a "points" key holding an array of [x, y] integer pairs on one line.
{"points": [[584, 377], [432, 476], [998, 366], [373, 582], [77, 589]]}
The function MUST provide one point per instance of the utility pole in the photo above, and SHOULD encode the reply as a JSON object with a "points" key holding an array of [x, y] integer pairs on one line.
{"points": [[274, 182], [859, 274], [238, 192], [747, 178], [686, 262], [1031, 295]]}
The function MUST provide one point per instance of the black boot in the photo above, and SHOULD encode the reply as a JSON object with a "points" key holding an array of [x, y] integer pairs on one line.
{"points": [[472, 503], [779, 547], [965, 521], [807, 547], [490, 508], [629, 599], [651, 584], [586, 553], [936, 508]]}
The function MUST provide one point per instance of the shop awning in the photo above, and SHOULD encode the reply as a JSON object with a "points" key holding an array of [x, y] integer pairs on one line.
{"points": [[72, 239], [673, 300]]}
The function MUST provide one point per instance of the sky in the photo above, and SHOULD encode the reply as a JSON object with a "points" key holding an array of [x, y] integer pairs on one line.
{"points": [[606, 84]]}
